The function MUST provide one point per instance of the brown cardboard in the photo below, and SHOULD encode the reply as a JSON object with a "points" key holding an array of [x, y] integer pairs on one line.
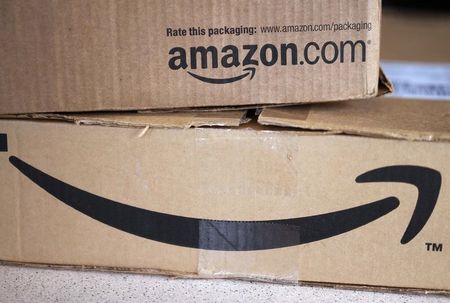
{"points": [[154, 120], [415, 35], [72, 55], [245, 174], [421, 120]]}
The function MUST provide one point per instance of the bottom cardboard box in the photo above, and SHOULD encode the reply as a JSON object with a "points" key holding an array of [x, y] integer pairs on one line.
{"points": [[248, 201]]}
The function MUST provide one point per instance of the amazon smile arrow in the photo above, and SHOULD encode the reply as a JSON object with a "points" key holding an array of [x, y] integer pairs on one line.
{"points": [[236, 235], [249, 71]]}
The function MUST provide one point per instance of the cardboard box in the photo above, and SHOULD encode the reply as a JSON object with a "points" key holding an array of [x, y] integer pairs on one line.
{"points": [[81, 55], [251, 201]]}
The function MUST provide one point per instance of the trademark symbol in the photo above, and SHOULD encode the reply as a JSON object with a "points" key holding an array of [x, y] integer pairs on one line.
{"points": [[436, 247]]}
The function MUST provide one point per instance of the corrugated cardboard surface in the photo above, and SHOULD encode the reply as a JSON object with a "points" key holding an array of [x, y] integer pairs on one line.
{"points": [[154, 120], [421, 120], [222, 174], [114, 55]]}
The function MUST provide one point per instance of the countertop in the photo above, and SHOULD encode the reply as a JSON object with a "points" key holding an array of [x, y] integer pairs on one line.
{"points": [[27, 284]]}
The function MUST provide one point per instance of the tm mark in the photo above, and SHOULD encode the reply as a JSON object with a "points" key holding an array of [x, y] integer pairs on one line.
{"points": [[437, 247]]}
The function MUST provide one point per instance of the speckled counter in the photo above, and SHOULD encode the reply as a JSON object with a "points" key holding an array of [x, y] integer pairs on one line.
{"points": [[24, 284]]}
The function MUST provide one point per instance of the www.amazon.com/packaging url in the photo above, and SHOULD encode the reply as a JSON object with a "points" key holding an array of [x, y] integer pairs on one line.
{"points": [[268, 29], [324, 27]]}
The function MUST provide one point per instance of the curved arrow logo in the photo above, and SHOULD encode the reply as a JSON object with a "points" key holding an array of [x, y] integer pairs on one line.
{"points": [[428, 182], [246, 235], [249, 71]]}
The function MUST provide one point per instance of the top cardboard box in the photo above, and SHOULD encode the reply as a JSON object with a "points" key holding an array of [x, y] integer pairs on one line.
{"points": [[80, 55]]}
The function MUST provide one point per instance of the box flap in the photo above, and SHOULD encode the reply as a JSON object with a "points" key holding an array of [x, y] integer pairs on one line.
{"points": [[385, 86], [132, 119], [405, 119]]}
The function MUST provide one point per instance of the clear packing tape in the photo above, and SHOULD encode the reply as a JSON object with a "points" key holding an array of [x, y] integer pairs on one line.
{"points": [[229, 251]]}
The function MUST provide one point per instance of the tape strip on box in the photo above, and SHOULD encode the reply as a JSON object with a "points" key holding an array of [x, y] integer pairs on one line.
{"points": [[248, 250]]}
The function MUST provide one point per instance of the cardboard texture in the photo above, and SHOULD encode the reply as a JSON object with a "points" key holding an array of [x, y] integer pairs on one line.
{"points": [[329, 193], [71, 55], [248, 202], [154, 120], [420, 120]]}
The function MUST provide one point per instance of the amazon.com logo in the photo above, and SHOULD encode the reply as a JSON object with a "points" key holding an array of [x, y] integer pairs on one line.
{"points": [[249, 56]]}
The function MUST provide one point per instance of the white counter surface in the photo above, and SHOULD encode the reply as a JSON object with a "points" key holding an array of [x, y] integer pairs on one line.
{"points": [[25, 284]]}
